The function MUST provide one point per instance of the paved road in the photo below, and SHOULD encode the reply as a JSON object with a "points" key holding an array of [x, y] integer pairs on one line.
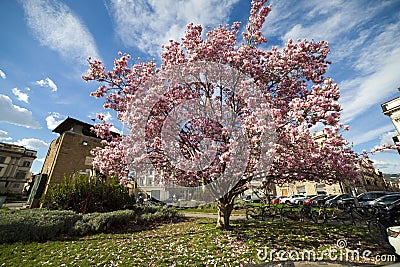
{"points": [[14, 205], [210, 215]]}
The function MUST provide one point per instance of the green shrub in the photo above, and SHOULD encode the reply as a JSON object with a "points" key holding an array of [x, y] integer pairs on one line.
{"points": [[101, 222], [240, 204], [35, 224], [159, 214], [208, 206], [42, 225], [86, 195]]}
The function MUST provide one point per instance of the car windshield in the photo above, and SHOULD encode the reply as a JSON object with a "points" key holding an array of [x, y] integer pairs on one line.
{"points": [[395, 205], [343, 196], [390, 199]]}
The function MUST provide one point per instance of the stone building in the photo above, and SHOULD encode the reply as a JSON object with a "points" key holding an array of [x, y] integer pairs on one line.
{"points": [[70, 152], [371, 180], [15, 166], [391, 109]]}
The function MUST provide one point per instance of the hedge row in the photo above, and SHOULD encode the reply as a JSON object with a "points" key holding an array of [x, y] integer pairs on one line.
{"points": [[42, 225]]}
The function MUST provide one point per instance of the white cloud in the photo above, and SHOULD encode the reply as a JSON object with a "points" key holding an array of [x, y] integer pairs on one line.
{"points": [[148, 24], [20, 95], [387, 161], [41, 160], [319, 20], [107, 116], [54, 25], [378, 76], [115, 130], [362, 41], [387, 138], [358, 138], [4, 136], [47, 83], [31, 143], [16, 115], [54, 119], [2, 75]]}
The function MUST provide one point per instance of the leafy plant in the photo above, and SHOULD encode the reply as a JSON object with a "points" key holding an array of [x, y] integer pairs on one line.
{"points": [[35, 224], [86, 195], [43, 225]]}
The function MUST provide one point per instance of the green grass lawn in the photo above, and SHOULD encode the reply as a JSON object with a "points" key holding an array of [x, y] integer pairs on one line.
{"points": [[195, 242]]}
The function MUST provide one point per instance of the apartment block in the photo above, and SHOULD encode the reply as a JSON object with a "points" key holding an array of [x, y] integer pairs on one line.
{"points": [[15, 166]]}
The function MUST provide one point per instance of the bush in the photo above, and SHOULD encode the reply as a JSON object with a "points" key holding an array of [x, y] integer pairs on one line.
{"points": [[86, 195], [42, 225], [35, 224], [208, 206], [159, 214], [101, 222]]}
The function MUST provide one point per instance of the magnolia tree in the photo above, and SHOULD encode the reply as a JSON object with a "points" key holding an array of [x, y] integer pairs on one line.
{"points": [[219, 111]]}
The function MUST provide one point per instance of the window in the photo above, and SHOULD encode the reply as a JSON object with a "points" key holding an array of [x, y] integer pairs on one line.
{"points": [[20, 175], [26, 164], [2, 159]]}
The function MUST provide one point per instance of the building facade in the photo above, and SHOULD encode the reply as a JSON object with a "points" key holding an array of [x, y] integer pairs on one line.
{"points": [[370, 180], [15, 166], [70, 152], [391, 109]]}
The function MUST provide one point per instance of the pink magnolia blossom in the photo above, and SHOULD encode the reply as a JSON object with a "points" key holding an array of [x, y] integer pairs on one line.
{"points": [[291, 83]]}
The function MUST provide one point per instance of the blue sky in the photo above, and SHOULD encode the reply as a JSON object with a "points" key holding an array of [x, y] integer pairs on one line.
{"points": [[44, 46]]}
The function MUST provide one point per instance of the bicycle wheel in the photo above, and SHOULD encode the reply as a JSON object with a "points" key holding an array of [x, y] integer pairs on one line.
{"points": [[268, 214], [306, 213], [361, 216], [292, 216], [251, 213], [339, 216]]}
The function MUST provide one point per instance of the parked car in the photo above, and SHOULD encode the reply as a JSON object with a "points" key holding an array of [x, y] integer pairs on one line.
{"points": [[301, 201], [394, 238], [385, 201], [333, 201], [321, 202], [293, 199], [276, 200], [315, 200], [363, 198], [252, 198], [394, 211]]}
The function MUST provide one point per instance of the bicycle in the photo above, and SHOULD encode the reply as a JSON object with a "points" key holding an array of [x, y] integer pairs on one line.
{"points": [[361, 216], [302, 213], [333, 215], [262, 212]]}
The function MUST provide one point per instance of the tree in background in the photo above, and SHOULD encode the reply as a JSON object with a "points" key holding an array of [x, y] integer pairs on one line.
{"points": [[291, 83]]}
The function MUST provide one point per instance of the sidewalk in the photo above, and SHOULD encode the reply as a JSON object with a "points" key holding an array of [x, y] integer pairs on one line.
{"points": [[15, 205], [212, 215]]}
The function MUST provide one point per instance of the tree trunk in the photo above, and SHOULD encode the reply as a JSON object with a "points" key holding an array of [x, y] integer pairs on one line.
{"points": [[224, 213]]}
